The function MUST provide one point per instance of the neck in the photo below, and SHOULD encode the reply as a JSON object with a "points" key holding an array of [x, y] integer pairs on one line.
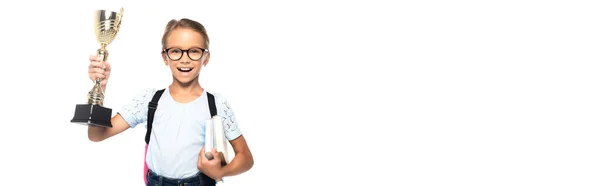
{"points": [[192, 87]]}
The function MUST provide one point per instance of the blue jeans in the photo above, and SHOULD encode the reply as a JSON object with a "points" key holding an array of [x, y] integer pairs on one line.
{"points": [[199, 179]]}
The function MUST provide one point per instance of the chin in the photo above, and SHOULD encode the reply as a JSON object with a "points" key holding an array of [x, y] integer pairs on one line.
{"points": [[185, 80]]}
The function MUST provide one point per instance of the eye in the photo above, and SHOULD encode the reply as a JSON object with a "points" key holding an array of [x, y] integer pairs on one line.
{"points": [[175, 51], [195, 51]]}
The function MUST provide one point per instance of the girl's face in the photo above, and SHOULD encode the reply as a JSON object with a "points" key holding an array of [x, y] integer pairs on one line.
{"points": [[185, 54]]}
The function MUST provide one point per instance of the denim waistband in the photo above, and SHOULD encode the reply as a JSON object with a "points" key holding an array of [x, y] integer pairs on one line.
{"points": [[161, 180]]}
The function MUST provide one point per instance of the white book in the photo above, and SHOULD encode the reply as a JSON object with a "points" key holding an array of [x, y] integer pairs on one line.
{"points": [[215, 138]]}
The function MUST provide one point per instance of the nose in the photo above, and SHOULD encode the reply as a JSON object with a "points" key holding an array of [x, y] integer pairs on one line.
{"points": [[185, 58]]}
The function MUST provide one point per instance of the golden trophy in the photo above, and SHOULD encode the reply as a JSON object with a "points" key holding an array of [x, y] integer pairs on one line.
{"points": [[107, 24]]}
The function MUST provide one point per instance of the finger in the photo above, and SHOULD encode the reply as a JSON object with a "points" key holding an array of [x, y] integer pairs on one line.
{"points": [[96, 71], [99, 76], [221, 156], [107, 70], [97, 65], [200, 164], [217, 157], [103, 83], [93, 58], [202, 155], [209, 156], [106, 74], [107, 66], [95, 75]]}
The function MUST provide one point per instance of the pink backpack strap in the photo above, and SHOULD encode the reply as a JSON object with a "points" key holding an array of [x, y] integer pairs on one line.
{"points": [[145, 166]]}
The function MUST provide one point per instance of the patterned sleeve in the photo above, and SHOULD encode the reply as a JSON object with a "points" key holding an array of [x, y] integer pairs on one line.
{"points": [[230, 124], [135, 112]]}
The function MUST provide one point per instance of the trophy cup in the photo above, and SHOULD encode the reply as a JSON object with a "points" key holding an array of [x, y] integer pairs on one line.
{"points": [[107, 24]]}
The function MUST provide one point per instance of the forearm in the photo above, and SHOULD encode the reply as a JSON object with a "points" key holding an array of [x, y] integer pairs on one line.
{"points": [[241, 163], [96, 134]]}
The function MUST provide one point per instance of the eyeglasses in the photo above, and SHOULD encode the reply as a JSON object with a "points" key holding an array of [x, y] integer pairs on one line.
{"points": [[193, 53]]}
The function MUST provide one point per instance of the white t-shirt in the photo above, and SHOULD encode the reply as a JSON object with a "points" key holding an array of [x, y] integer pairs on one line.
{"points": [[177, 130]]}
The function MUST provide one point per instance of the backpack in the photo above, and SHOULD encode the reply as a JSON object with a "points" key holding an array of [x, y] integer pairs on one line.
{"points": [[152, 108]]}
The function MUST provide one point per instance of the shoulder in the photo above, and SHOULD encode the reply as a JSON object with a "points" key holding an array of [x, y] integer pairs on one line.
{"points": [[222, 103], [146, 94], [220, 100], [135, 111], [224, 110], [142, 98]]}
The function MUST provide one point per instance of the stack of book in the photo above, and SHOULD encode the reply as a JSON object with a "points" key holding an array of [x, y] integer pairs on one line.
{"points": [[215, 138]]}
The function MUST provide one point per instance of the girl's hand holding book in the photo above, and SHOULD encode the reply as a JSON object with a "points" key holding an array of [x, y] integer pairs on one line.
{"points": [[211, 167]]}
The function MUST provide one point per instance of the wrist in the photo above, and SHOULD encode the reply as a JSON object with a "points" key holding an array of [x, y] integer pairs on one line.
{"points": [[220, 174]]}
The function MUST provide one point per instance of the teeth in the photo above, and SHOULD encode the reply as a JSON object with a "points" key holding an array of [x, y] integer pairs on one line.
{"points": [[184, 69]]}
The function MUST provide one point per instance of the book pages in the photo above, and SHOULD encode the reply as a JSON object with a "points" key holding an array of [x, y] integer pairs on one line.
{"points": [[215, 138]]}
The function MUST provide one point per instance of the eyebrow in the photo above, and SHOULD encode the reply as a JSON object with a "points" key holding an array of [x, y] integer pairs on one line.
{"points": [[188, 48]]}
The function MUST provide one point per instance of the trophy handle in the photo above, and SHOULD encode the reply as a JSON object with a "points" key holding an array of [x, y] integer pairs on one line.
{"points": [[118, 19]]}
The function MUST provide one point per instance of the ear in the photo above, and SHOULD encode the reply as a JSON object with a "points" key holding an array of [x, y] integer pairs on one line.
{"points": [[207, 58], [164, 56]]}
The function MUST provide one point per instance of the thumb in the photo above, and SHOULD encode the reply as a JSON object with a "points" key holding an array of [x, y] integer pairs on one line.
{"points": [[215, 153]]}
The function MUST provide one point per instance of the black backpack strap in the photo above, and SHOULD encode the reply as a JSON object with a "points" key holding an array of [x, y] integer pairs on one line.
{"points": [[211, 104], [151, 109]]}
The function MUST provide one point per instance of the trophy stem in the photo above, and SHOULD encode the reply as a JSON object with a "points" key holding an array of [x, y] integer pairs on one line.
{"points": [[102, 53], [96, 95]]}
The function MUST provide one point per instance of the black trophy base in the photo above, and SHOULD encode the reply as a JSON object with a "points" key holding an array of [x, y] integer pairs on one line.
{"points": [[96, 115]]}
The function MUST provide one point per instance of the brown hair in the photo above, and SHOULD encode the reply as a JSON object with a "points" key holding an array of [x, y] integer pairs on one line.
{"points": [[184, 23]]}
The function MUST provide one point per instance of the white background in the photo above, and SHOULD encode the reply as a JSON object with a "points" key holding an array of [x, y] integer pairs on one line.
{"points": [[326, 92]]}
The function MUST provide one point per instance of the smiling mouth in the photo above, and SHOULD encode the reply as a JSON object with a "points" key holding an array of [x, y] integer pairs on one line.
{"points": [[182, 69]]}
